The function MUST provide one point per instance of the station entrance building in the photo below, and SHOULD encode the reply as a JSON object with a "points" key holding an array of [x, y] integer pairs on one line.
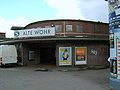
{"points": [[63, 42]]}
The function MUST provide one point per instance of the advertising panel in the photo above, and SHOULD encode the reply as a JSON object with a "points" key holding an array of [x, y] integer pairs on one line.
{"points": [[80, 55], [115, 57], [114, 27], [65, 56]]}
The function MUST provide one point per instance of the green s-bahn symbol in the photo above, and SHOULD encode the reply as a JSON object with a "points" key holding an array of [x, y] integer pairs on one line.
{"points": [[16, 34]]}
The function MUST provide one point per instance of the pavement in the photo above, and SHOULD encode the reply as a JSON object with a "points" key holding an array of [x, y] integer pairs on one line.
{"points": [[35, 78]]}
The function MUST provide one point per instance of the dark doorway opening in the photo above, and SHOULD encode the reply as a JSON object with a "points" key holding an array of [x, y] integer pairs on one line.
{"points": [[41, 53], [47, 56]]}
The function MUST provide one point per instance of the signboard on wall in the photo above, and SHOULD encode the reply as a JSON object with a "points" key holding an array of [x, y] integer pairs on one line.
{"points": [[114, 15], [80, 55], [65, 56], [36, 32]]}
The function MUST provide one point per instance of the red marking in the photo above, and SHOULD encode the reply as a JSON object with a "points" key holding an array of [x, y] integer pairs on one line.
{"points": [[118, 52], [118, 66], [118, 45]]}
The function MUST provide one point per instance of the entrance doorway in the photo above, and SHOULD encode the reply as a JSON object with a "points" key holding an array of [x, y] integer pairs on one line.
{"points": [[41, 53], [47, 56]]}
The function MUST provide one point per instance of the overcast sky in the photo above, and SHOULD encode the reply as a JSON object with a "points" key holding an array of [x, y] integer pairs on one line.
{"points": [[23, 12]]}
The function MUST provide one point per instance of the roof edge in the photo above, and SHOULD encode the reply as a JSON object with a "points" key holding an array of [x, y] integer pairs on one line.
{"points": [[65, 20]]}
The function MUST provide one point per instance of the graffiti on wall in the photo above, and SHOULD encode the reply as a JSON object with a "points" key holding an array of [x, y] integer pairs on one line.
{"points": [[94, 52]]}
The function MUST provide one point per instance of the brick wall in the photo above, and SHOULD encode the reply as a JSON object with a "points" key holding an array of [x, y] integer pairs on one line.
{"points": [[89, 28]]}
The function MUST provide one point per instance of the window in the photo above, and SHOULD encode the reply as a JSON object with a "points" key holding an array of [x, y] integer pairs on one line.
{"points": [[69, 28], [98, 28], [58, 28], [79, 28]]}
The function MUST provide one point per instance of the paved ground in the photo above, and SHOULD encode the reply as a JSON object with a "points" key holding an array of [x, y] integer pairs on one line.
{"points": [[24, 78]]}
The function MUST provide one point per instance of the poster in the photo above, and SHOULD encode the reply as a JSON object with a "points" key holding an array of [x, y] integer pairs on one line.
{"points": [[80, 55], [65, 56], [113, 68], [31, 55], [111, 39]]}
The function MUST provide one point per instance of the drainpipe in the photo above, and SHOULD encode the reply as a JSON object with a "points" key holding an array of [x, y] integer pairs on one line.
{"points": [[64, 29]]}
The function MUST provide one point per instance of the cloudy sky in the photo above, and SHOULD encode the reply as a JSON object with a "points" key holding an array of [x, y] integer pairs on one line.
{"points": [[22, 12]]}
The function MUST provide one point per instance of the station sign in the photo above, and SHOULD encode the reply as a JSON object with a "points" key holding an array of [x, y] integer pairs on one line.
{"points": [[35, 32]]}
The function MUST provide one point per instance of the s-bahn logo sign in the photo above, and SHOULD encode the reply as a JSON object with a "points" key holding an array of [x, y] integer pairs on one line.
{"points": [[36, 32]]}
